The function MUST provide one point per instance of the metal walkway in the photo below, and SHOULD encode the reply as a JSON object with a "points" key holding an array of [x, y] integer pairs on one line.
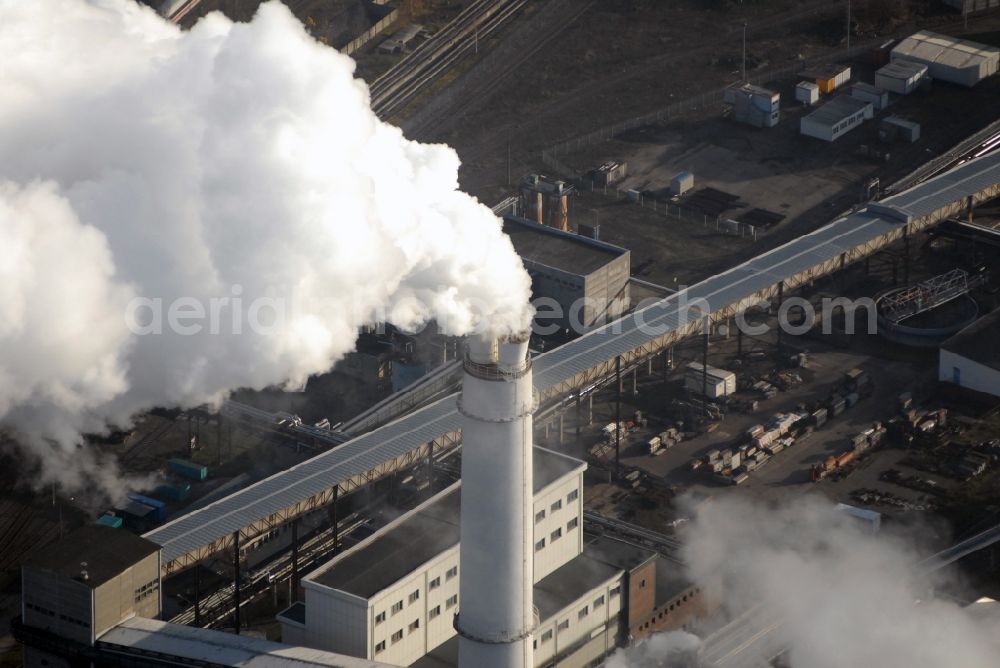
{"points": [[582, 362]]}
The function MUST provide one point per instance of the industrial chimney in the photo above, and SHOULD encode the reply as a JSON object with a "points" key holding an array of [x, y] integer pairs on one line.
{"points": [[496, 617]]}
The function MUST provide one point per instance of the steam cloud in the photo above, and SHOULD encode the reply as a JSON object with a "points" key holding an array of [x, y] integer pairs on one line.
{"points": [[238, 163], [847, 599]]}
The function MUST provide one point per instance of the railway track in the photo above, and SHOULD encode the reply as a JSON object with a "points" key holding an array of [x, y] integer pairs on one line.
{"points": [[391, 92], [216, 608]]}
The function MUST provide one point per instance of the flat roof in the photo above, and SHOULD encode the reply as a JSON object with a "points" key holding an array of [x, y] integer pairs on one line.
{"points": [[670, 581], [105, 550], [569, 582], [296, 612], [978, 341], [838, 109], [941, 49], [616, 553], [902, 69], [828, 71], [150, 637], [565, 251], [868, 88], [400, 548]]}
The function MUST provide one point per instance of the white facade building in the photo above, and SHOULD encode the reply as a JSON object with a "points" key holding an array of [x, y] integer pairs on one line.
{"points": [[971, 358], [394, 596], [947, 58], [901, 77], [835, 118]]}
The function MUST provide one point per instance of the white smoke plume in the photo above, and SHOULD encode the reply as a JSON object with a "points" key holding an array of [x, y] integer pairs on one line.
{"points": [[235, 173], [845, 598], [670, 649]]}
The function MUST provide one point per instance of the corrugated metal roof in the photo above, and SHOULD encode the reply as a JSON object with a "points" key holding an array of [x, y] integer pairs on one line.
{"points": [[837, 109], [361, 454], [217, 648], [927, 46], [903, 69]]}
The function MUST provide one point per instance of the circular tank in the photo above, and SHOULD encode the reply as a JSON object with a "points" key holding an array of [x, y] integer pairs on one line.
{"points": [[930, 328]]}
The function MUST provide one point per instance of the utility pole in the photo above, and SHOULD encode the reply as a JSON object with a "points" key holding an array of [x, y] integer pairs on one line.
{"points": [[848, 26], [508, 158], [744, 52]]}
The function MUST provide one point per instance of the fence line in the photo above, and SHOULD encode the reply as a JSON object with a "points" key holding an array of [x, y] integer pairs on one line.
{"points": [[371, 33], [721, 225], [690, 105]]}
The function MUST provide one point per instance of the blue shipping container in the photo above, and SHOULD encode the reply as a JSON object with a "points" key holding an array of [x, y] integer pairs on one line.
{"points": [[159, 507], [187, 469], [175, 492], [110, 520]]}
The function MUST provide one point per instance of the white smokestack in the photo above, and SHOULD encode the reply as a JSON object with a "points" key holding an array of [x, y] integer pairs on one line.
{"points": [[496, 612], [232, 176]]}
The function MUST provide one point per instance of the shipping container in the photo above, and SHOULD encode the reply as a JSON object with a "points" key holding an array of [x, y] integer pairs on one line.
{"points": [[819, 417], [110, 520], [836, 406], [175, 492], [900, 77], [681, 183], [878, 97], [187, 469], [807, 93], [137, 516], [159, 507]]}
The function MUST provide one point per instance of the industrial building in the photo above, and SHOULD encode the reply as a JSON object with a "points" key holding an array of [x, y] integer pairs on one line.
{"points": [[753, 105], [878, 97], [347, 600], [971, 358], [588, 279], [901, 77], [392, 598], [828, 78], [836, 118], [807, 93], [546, 201], [92, 598], [949, 59]]}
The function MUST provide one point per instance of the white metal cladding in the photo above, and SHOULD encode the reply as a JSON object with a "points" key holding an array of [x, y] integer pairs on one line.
{"points": [[558, 366]]}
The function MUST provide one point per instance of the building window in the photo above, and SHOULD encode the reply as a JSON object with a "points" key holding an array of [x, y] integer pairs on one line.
{"points": [[539, 516], [435, 611], [397, 607], [556, 506], [547, 636], [397, 636], [572, 524], [599, 601], [414, 625], [415, 596], [556, 535], [563, 625], [584, 611], [379, 618], [379, 646], [616, 590], [573, 496], [435, 583], [452, 572], [451, 602], [540, 545], [642, 583]]}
